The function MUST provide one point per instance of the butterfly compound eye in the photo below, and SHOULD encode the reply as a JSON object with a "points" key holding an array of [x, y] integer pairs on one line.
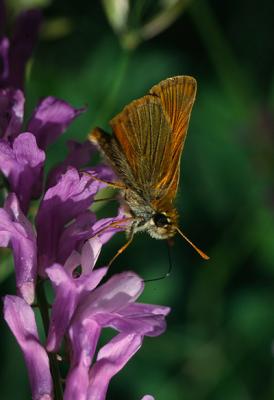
{"points": [[160, 220]]}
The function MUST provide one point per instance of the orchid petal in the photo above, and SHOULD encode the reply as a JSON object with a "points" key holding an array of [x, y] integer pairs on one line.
{"points": [[84, 338], [20, 318], [149, 324], [75, 234], [110, 360], [16, 232], [50, 119], [119, 291], [69, 292], [22, 165]]}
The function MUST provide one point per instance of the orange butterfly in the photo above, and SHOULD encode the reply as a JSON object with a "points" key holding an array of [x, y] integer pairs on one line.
{"points": [[145, 151]]}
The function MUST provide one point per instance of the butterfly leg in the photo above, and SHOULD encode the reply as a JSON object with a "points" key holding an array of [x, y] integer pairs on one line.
{"points": [[124, 247]]}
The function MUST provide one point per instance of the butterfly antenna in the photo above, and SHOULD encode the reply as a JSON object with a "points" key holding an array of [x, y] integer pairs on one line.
{"points": [[202, 254]]}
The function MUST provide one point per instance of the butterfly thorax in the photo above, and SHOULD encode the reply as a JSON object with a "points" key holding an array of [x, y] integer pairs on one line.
{"points": [[158, 219]]}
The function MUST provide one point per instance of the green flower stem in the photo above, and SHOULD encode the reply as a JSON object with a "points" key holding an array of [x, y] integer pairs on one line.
{"points": [[54, 367]]}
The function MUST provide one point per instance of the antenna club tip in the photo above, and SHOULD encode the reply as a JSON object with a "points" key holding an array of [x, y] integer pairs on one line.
{"points": [[199, 251]]}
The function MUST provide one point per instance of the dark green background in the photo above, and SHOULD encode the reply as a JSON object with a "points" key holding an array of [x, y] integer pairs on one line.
{"points": [[218, 344]]}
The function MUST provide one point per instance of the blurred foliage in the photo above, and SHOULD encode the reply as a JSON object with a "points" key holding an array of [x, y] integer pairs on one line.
{"points": [[218, 344]]}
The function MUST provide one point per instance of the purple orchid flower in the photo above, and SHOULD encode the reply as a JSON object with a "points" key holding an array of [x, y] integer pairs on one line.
{"points": [[66, 243], [80, 311], [110, 305]]}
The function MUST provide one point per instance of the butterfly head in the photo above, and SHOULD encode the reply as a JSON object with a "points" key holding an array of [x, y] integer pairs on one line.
{"points": [[163, 225]]}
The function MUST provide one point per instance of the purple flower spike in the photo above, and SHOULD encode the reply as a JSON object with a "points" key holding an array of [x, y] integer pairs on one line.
{"points": [[50, 119], [22, 164], [16, 232], [11, 112], [110, 360], [20, 318]]}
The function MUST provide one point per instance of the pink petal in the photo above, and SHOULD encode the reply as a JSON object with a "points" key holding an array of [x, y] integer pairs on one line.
{"points": [[119, 291], [22, 164], [84, 338], [50, 119], [110, 360]]}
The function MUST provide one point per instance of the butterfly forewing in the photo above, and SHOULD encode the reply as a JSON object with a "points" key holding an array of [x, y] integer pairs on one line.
{"points": [[151, 132]]}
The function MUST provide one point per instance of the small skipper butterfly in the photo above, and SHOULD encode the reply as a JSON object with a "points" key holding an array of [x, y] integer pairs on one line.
{"points": [[145, 151]]}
